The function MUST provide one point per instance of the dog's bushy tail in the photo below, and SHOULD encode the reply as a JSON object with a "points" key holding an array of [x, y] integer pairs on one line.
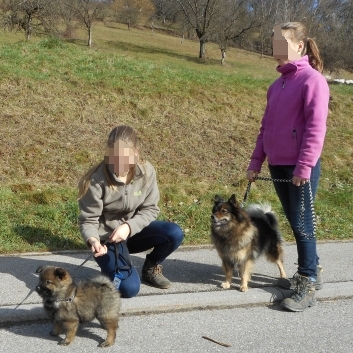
{"points": [[259, 209]]}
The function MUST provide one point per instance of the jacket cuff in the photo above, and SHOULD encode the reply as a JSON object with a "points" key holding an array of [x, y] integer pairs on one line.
{"points": [[255, 165], [302, 171]]}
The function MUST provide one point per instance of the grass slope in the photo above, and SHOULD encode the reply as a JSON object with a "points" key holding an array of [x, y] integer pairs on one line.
{"points": [[197, 120]]}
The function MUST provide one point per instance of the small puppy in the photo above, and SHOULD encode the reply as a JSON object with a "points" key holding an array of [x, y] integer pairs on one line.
{"points": [[241, 236], [69, 304]]}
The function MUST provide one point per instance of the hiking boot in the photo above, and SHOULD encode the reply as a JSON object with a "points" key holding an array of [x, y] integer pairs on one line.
{"points": [[291, 283], [303, 296], [152, 273]]}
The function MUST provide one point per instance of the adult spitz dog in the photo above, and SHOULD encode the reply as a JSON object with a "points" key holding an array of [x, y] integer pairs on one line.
{"points": [[241, 236]]}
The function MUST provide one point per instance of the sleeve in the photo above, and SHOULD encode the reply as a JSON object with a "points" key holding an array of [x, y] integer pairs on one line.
{"points": [[316, 99], [258, 155], [148, 211], [91, 207]]}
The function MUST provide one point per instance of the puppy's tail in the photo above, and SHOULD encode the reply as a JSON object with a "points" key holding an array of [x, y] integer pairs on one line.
{"points": [[259, 209]]}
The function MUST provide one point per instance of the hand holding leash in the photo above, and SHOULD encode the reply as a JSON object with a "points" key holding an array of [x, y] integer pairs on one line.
{"points": [[97, 248], [298, 181], [252, 175]]}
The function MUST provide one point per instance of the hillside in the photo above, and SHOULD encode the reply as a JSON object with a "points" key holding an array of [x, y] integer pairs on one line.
{"points": [[197, 121]]}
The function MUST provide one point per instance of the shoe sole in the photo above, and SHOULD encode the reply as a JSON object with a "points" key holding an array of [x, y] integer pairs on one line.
{"points": [[153, 285], [288, 307]]}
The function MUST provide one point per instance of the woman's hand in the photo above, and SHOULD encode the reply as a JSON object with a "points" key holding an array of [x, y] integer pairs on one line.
{"points": [[251, 175], [297, 181], [120, 234], [97, 247]]}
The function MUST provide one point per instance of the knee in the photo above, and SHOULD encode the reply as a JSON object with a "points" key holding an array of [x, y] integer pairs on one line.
{"points": [[175, 233], [129, 291], [130, 286]]}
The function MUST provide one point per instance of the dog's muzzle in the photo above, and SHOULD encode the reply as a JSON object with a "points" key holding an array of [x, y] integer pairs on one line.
{"points": [[218, 222]]}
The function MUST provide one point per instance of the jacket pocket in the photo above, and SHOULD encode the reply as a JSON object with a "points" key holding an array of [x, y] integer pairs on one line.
{"points": [[295, 137]]}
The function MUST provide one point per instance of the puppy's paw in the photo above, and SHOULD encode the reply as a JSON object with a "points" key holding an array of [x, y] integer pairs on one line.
{"points": [[64, 342], [54, 333], [244, 288], [225, 285], [105, 344]]}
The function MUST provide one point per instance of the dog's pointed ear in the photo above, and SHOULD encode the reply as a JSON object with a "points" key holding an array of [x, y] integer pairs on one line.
{"points": [[218, 199], [39, 269], [60, 273], [233, 201]]}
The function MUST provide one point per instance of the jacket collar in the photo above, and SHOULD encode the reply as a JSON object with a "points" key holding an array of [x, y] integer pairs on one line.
{"points": [[290, 69], [139, 172]]}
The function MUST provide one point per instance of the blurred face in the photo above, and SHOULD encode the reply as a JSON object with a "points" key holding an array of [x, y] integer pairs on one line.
{"points": [[121, 158], [284, 49]]}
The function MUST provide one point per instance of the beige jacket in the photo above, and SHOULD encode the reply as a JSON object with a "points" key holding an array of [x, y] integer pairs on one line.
{"points": [[103, 209]]}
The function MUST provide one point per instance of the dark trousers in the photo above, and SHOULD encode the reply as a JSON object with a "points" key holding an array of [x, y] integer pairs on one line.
{"points": [[164, 237], [290, 197]]}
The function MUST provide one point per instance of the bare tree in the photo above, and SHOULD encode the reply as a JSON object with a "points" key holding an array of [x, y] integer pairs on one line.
{"points": [[133, 12], [28, 16], [334, 32], [235, 20], [165, 10], [221, 21], [202, 16], [87, 12], [67, 15]]}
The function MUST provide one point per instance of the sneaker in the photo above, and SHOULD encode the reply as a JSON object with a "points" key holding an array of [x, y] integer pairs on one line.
{"points": [[291, 283], [303, 296], [152, 273]]}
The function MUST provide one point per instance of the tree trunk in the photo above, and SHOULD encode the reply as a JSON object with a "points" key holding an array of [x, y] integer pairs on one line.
{"points": [[202, 49], [28, 27], [223, 56], [90, 36]]}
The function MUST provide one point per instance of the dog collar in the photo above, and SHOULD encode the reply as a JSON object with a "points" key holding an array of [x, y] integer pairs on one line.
{"points": [[67, 300]]}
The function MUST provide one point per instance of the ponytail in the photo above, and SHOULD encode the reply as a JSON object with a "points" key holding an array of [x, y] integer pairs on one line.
{"points": [[313, 53]]}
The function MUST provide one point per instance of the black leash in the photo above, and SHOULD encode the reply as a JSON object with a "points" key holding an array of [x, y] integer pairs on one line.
{"points": [[302, 207], [125, 255]]}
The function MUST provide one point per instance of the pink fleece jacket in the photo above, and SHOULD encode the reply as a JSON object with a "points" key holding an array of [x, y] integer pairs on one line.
{"points": [[293, 127]]}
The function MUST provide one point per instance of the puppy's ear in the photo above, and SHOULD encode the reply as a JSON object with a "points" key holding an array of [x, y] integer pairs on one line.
{"points": [[39, 269], [233, 201], [60, 273], [218, 199]]}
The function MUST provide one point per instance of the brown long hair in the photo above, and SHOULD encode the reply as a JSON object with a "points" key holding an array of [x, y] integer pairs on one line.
{"points": [[298, 32], [122, 133]]}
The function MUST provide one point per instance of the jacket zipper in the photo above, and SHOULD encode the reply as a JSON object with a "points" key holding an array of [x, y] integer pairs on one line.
{"points": [[125, 196]]}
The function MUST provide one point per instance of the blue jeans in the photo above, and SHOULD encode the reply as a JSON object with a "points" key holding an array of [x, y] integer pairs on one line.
{"points": [[164, 237], [290, 198]]}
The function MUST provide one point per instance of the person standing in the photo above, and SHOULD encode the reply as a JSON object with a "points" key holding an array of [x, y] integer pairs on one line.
{"points": [[291, 137]]}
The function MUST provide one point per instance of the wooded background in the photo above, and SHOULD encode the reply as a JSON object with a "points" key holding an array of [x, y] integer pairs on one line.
{"points": [[246, 24]]}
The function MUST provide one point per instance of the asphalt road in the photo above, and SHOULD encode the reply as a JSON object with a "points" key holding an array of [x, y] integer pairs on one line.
{"points": [[327, 327]]}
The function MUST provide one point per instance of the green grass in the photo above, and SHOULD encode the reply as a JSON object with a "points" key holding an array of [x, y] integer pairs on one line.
{"points": [[197, 121]]}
